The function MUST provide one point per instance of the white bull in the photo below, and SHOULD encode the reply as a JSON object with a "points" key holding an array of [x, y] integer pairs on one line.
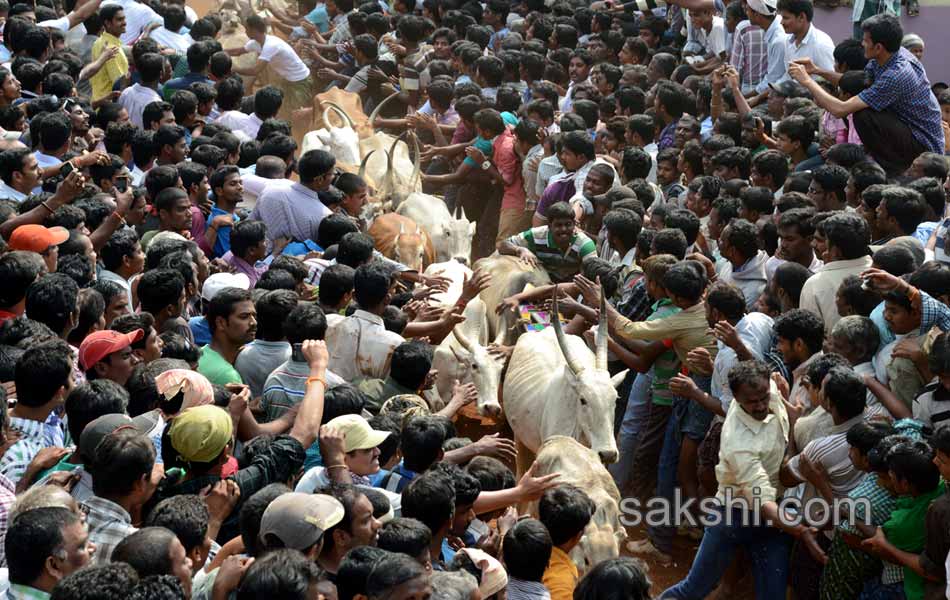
{"points": [[556, 386], [456, 273], [462, 356], [509, 276], [451, 237], [579, 466]]}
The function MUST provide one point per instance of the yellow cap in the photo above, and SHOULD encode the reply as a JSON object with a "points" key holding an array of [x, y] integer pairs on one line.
{"points": [[357, 433], [201, 433]]}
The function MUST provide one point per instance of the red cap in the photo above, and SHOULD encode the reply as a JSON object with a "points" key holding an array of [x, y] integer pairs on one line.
{"points": [[101, 344], [36, 238]]}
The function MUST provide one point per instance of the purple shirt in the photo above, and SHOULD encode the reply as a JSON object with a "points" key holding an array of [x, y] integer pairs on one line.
{"points": [[240, 265]]}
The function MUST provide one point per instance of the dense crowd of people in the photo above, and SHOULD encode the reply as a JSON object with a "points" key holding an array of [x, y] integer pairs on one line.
{"points": [[218, 386]]}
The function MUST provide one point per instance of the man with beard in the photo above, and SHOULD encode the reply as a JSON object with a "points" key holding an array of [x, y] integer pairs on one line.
{"points": [[232, 320]]}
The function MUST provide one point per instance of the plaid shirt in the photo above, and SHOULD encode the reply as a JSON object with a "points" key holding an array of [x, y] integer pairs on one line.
{"points": [[35, 437], [933, 314], [635, 301], [7, 498], [749, 56], [667, 137], [282, 459], [108, 524], [19, 591], [901, 86]]}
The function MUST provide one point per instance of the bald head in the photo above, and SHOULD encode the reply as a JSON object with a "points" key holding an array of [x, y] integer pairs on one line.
{"points": [[271, 167]]}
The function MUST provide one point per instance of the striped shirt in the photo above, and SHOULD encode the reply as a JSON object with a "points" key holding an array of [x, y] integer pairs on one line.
{"points": [[286, 386], [109, 524], [667, 364], [561, 265], [34, 437], [832, 452]]}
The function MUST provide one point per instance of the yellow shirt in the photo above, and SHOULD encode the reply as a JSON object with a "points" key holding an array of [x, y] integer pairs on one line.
{"points": [[561, 575], [688, 329], [116, 67], [751, 453]]}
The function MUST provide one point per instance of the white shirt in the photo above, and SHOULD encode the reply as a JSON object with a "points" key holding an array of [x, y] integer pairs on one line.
{"points": [[238, 121], [773, 263], [818, 293], [713, 42], [7, 192], [44, 161], [172, 39], [281, 57], [360, 345], [137, 17], [135, 98], [61, 23], [137, 175], [816, 45]]}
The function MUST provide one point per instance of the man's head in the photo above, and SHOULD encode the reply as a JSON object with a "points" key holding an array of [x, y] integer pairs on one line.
{"points": [[911, 468], [53, 300], [796, 16], [187, 517], [19, 169], [300, 521], [358, 527], [112, 18], [565, 511], [284, 573], [45, 545], [527, 550], [799, 334], [900, 211], [397, 577], [170, 141], [44, 375], [107, 354], [18, 269], [846, 236], [902, 315], [882, 35], [795, 231], [749, 382], [561, 223], [232, 316], [123, 467], [156, 551], [162, 293], [226, 185], [44, 241], [407, 536], [430, 498], [827, 188]]}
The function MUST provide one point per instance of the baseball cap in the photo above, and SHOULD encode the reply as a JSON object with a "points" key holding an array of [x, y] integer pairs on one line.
{"points": [[357, 433], [101, 344], [494, 578], [219, 281], [97, 430], [763, 7], [201, 433], [36, 238], [299, 520], [194, 386], [790, 89]]}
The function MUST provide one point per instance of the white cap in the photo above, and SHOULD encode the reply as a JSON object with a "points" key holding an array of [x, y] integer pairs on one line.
{"points": [[763, 7], [220, 281]]}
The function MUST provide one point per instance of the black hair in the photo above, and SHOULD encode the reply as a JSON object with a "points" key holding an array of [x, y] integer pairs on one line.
{"points": [[848, 232], [355, 568], [734, 158], [186, 515], [669, 241], [354, 249], [223, 304], [408, 536], [273, 308], [913, 463], [686, 280], [850, 54], [685, 221], [743, 236], [31, 538], [862, 301], [621, 578], [906, 206], [305, 322], [267, 101], [626, 225], [91, 400], [282, 573], [153, 113], [96, 582], [527, 550], [421, 442], [147, 550], [18, 271], [866, 435], [846, 391], [565, 511], [884, 29], [801, 324], [51, 300], [122, 459], [159, 288], [896, 259], [252, 510]]}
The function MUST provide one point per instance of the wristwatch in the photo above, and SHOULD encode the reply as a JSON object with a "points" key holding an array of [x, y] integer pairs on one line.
{"points": [[486, 165]]}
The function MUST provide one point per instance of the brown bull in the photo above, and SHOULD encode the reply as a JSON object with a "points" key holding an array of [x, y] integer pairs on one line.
{"points": [[399, 238]]}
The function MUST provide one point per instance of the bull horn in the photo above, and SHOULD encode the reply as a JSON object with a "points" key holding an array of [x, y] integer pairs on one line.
{"points": [[375, 113], [462, 338], [600, 358], [362, 173], [570, 359], [416, 166], [343, 116], [342, 112]]}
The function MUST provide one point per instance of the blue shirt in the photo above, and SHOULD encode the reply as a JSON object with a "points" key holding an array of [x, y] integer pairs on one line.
{"points": [[485, 146], [183, 83], [200, 330], [223, 243], [901, 86], [776, 69]]}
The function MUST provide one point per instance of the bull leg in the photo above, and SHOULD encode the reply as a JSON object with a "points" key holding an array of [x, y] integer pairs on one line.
{"points": [[525, 458]]}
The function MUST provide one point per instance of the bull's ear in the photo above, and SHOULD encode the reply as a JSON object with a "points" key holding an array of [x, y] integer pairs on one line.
{"points": [[471, 228], [617, 379]]}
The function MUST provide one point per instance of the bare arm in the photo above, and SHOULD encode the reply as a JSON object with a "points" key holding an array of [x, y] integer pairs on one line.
{"points": [[822, 98], [307, 424], [65, 193]]}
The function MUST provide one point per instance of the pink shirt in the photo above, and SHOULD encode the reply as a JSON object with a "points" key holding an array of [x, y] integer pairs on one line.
{"points": [[509, 165]]}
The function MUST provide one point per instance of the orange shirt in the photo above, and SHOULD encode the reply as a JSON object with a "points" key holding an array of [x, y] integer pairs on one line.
{"points": [[561, 575]]}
